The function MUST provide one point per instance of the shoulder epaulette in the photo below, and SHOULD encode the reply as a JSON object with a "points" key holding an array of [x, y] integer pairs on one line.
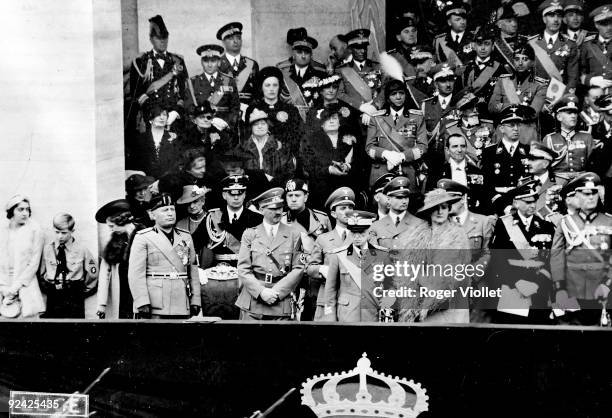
{"points": [[428, 99], [590, 38], [607, 214], [540, 79], [486, 120], [440, 35], [181, 230], [319, 212], [537, 36], [144, 231], [227, 75], [491, 145], [415, 112], [452, 123], [378, 247], [392, 51], [283, 64]]}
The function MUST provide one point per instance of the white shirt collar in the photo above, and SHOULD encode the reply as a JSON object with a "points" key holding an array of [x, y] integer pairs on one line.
{"points": [[400, 216], [462, 217], [482, 61], [231, 212], [268, 226], [300, 71], [571, 33], [209, 76], [526, 221], [397, 112], [543, 177], [454, 164], [548, 36], [381, 214], [455, 34], [602, 40], [341, 230], [508, 144], [231, 58], [444, 100]]}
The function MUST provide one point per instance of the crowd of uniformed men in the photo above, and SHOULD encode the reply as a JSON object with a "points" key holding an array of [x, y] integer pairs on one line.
{"points": [[270, 192]]}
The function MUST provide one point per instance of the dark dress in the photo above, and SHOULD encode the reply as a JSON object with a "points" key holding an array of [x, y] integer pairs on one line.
{"points": [[286, 125], [142, 155]]}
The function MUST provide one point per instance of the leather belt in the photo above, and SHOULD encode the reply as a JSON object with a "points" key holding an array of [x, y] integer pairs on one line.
{"points": [[226, 257], [267, 278], [171, 276]]}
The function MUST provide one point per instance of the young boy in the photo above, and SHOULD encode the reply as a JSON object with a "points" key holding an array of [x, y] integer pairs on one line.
{"points": [[69, 272]]}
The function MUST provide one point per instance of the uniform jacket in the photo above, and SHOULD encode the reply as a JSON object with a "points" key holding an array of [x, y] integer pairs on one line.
{"points": [[483, 89], [348, 93], [500, 169], [476, 196], [27, 244], [402, 55], [255, 254], [82, 266], [582, 37], [479, 136], [595, 59], [504, 50], [463, 49], [406, 236], [377, 142], [145, 70], [504, 268], [531, 91], [228, 107], [246, 94], [152, 252], [318, 223], [600, 158], [433, 112], [581, 268], [564, 54], [211, 140], [574, 154], [142, 155], [350, 297], [479, 229], [552, 181]]}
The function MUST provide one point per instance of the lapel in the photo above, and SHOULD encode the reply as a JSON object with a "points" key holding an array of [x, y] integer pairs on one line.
{"points": [[446, 171], [313, 224], [264, 238], [161, 242], [404, 224], [333, 239], [521, 226], [282, 235]]}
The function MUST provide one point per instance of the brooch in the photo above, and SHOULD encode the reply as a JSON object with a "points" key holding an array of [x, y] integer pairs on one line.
{"points": [[282, 116]]}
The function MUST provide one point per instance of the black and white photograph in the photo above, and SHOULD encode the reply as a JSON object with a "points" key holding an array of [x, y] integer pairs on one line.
{"points": [[306, 208]]}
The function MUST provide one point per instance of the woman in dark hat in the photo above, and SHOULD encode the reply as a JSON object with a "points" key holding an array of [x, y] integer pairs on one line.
{"points": [[138, 189], [201, 133], [114, 296], [285, 125], [328, 152], [155, 152]]}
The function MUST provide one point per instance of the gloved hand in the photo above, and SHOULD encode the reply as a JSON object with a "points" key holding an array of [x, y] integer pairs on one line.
{"points": [[394, 158], [600, 81], [220, 124], [417, 153], [365, 119], [194, 310], [335, 171], [101, 311], [368, 108], [143, 99], [602, 292], [172, 116], [526, 288], [144, 312], [269, 296]]}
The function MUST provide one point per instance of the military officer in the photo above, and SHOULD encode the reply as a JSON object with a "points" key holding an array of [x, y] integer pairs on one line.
{"points": [[397, 139], [300, 35], [339, 203], [216, 87], [591, 115], [406, 33], [399, 229], [538, 162], [455, 45], [595, 56], [524, 88], [520, 247], [163, 271], [502, 163], [340, 52], [505, 42], [243, 69], [573, 17], [478, 132], [556, 56], [423, 61], [380, 202], [580, 257], [353, 291], [157, 77], [573, 148], [481, 73], [437, 106], [270, 264], [313, 222], [223, 230]]}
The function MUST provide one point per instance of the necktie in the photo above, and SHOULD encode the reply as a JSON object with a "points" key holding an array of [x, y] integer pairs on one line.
{"points": [[212, 81], [62, 266], [511, 149], [550, 43], [443, 103], [575, 36], [272, 232], [459, 168], [397, 221], [343, 236], [235, 64], [235, 218], [395, 118], [456, 39], [358, 252]]}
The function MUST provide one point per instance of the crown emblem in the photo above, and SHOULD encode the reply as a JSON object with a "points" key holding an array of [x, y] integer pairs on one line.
{"points": [[374, 395]]}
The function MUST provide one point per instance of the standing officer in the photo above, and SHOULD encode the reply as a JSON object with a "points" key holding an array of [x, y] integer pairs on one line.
{"points": [[350, 290], [399, 229], [270, 264], [502, 164], [380, 202], [505, 42], [397, 139], [573, 17], [163, 272], [455, 45], [216, 87], [520, 247], [595, 54], [406, 33], [243, 69], [158, 77], [538, 164], [340, 202], [435, 107], [573, 148], [580, 258]]}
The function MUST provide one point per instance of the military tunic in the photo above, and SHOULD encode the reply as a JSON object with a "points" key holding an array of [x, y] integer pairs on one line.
{"points": [[574, 152], [479, 137], [565, 55], [370, 73], [595, 60], [406, 235], [462, 50], [248, 89], [501, 170], [222, 90]]}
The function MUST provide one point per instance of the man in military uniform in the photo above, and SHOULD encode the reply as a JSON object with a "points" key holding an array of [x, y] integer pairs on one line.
{"points": [[505, 42], [353, 293], [340, 53], [520, 256], [380, 202], [573, 148], [538, 162], [455, 45], [423, 62], [480, 74], [595, 54], [406, 33], [467, 122], [502, 164], [436, 107], [573, 17], [300, 72], [243, 69], [270, 264], [361, 77], [521, 88], [590, 116], [580, 258], [397, 139], [399, 230], [163, 271], [556, 56], [157, 77], [216, 87], [461, 170], [340, 202]]}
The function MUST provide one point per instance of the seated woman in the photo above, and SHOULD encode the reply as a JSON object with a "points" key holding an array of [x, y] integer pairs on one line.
{"points": [[328, 156], [263, 151], [156, 151], [201, 133]]}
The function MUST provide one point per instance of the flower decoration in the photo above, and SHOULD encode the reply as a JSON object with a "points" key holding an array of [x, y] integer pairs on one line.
{"points": [[282, 116], [349, 139], [345, 112]]}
